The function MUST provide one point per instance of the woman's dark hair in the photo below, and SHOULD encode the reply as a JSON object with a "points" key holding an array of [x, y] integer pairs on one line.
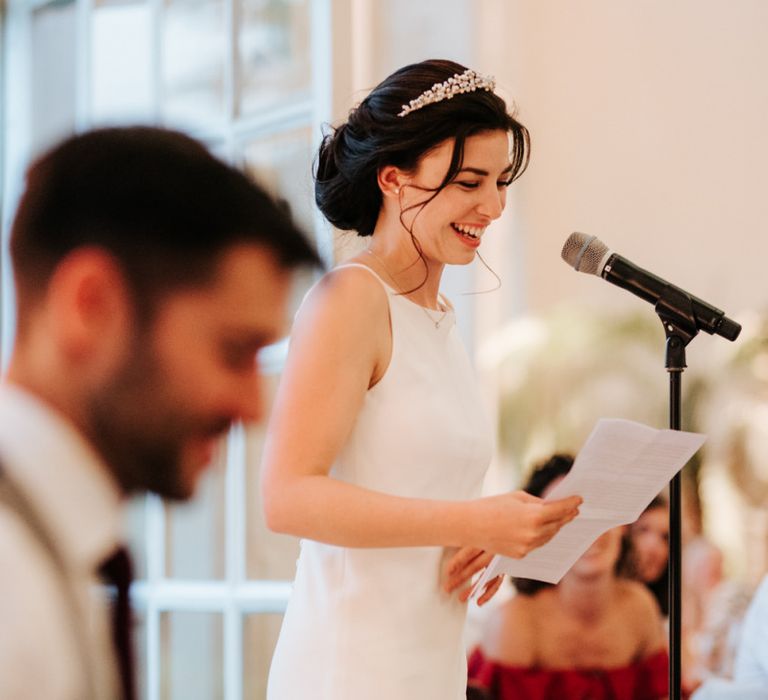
{"points": [[546, 472], [350, 156], [541, 477], [660, 587], [475, 692]]}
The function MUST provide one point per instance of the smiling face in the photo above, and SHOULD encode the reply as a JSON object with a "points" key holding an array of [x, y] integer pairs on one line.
{"points": [[190, 374], [450, 226]]}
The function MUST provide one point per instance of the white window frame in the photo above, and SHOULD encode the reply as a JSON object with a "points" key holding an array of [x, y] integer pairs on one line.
{"points": [[234, 596]]}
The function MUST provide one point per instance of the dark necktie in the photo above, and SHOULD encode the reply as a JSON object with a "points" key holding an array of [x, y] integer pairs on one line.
{"points": [[117, 571]]}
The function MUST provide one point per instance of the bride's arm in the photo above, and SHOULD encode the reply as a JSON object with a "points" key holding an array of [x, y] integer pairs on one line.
{"points": [[340, 345]]}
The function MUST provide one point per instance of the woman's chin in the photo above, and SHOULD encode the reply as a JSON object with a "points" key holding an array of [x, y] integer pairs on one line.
{"points": [[591, 567]]}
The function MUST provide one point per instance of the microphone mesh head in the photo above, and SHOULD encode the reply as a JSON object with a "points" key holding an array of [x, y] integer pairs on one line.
{"points": [[584, 253]]}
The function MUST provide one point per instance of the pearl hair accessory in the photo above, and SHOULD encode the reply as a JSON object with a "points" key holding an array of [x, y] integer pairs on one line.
{"points": [[468, 81]]}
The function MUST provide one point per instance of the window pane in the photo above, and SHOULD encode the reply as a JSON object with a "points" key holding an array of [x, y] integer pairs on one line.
{"points": [[195, 530], [136, 527], [194, 44], [274, 53], [191, 646], [139, 619], [259, 639], [121, 66], [51, 72], [283, 164], [268, 556]]}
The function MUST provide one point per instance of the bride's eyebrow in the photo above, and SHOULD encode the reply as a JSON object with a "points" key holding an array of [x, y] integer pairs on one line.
{"points": [[484, 173], [474, 171]]}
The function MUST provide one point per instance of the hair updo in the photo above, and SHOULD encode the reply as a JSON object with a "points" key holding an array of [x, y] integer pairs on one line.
{"points": [[350, 156]]}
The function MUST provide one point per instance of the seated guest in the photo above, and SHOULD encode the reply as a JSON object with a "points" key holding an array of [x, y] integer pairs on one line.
{"points": [[713, 609], [649, 551], [750, 673], [594, 635], [648, 562]]}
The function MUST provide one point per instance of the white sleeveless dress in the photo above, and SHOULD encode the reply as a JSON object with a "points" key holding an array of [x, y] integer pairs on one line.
{"points": [[374, 624]]}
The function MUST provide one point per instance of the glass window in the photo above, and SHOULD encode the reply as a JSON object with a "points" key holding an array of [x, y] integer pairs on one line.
{"points": [[282, 163], [192, 655], [268, 555], [136, 527], [212, 582], [273, 53], [259, 638], [195, 530], [121, 65], [193, 63]]}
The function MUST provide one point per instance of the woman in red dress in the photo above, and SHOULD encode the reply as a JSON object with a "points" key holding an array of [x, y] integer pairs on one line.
{"points": [[594, 636]]}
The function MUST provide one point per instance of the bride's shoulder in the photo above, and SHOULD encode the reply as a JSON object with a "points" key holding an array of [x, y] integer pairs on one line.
{"points": [[348, 295]]}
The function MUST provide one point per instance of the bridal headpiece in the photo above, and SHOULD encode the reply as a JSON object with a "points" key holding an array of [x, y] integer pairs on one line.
{"points": [[468, 81]]}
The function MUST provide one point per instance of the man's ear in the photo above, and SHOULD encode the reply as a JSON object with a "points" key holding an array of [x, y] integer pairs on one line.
{"points": [[90, 307]]}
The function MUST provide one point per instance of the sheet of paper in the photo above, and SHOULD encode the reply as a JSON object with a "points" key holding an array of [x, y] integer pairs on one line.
{"points": [[618, 471]]}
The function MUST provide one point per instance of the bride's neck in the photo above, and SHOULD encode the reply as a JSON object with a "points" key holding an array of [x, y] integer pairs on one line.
{"points": [[405, 268]]}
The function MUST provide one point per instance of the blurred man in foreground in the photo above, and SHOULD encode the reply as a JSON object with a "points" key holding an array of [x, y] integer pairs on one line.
{"points": [[148, 275]]}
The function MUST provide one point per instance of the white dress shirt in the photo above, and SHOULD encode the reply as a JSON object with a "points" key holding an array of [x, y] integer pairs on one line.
{"points": [[69, 487]]}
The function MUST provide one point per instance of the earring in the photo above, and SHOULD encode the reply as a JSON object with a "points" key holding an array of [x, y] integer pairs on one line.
{"points": [[397, 190]]}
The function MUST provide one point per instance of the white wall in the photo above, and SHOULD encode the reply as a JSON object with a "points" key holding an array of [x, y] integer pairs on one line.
{"points": [[648, 122]]}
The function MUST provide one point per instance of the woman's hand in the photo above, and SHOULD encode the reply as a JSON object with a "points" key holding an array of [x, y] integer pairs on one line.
{"points": [[461, 567], [513, 524], [520, 523]]}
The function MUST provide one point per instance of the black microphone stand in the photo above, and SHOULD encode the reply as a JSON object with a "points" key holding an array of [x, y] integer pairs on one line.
{"points": [[675, 310]]}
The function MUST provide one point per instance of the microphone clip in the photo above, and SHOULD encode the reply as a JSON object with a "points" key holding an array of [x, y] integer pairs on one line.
{"points": [[675, 310]]}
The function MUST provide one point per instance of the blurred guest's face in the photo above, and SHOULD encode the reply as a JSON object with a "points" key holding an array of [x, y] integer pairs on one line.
{"points": [[190, 375], [601, 557], [650, 544]]}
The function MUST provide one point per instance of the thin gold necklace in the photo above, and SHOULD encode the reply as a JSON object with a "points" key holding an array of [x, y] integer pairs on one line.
{"points": [[426, 311]]}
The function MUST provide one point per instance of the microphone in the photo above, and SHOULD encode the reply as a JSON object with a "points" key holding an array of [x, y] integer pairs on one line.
{"points": [[589, 254]]}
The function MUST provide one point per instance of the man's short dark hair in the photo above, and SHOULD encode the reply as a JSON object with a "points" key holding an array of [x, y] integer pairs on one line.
{"points": [[156, 200]]}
